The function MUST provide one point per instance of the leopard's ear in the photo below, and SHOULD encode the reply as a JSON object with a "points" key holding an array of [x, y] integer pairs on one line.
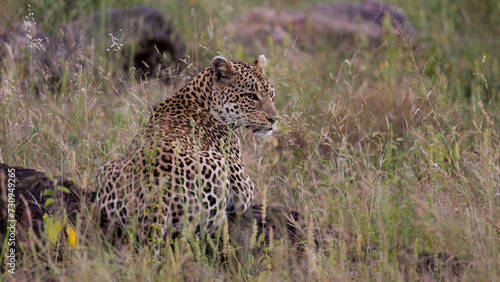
{"points": [[260, 62], [222, 69]]}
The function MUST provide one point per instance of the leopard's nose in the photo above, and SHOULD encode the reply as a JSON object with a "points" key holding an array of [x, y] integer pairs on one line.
{"points": [[272, 119]]}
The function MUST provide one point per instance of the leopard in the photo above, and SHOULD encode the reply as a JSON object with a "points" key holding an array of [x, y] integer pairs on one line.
{"points": [[185, 170]]}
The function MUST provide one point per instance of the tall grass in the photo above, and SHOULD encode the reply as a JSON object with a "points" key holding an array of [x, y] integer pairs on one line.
{"points": [[395, 149]]}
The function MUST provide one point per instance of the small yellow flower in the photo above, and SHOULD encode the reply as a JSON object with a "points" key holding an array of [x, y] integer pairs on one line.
{"points": [[71, 235], [275, 142]]}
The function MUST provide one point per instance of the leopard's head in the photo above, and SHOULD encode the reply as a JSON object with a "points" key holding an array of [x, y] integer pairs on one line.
{"points": [[243, 96]]}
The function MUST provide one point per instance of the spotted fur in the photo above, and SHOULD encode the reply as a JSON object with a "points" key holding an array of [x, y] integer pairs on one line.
{"points": [[185, 167]]}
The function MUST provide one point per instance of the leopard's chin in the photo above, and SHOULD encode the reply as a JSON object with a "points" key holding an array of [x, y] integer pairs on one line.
{"points": [[265, 132], [261, 131]]}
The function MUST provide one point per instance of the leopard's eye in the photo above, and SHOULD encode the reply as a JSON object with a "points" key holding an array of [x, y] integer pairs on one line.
{"points": [[271, 95], [252, 96]]}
